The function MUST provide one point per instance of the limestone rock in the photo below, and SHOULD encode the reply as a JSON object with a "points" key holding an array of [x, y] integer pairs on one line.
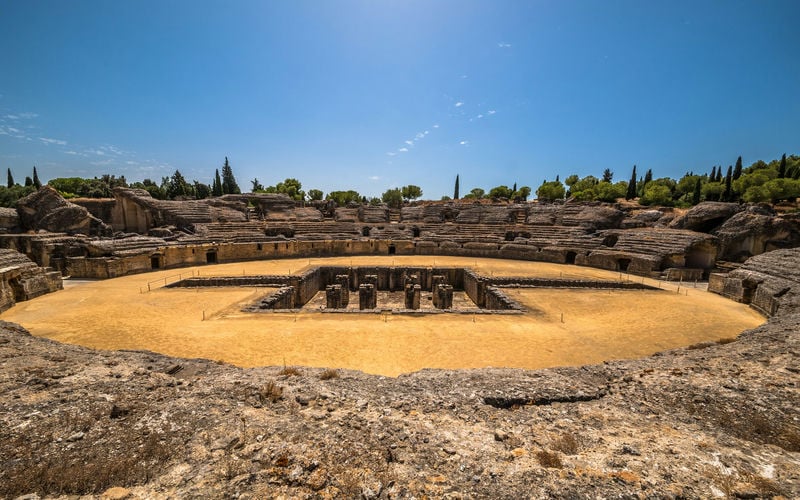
{"points": [[753, 232], [47, 209], [706, 216]]}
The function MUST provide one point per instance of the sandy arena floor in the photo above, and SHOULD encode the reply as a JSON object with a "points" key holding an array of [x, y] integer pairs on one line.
{"points": [[597, 325]]}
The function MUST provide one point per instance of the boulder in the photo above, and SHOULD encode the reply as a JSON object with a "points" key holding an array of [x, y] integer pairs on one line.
{"points": [[46, 209], [753, 232], [705, 216]]}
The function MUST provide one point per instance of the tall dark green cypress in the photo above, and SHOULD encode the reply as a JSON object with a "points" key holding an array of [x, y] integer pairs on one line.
{"points": [[216, 185], [229, 185], [36, 182], [455, 191], [728, 178], [10, 183], [648, 177], [719, 174], [631, 193], [782, 167], [737, 170], [713, 176], [698, 188]]}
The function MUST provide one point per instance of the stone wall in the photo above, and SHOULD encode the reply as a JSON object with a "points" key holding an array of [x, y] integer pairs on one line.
{"points": [[21, 279]]}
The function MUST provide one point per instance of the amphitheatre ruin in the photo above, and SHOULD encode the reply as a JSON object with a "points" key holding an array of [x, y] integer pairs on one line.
{"points": [[251, 344]]}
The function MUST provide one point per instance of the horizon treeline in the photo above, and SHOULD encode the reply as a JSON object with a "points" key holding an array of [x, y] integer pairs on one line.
{"points": [[775, 181]]}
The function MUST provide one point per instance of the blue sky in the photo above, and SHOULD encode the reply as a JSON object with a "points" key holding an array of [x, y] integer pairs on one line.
{"points": [[369, 95]]}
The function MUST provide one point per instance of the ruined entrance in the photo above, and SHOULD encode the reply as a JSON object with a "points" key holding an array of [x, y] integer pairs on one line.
{"points": [[570, 259], [622, 264], [392, 249], [155, 261], [211, 257]]}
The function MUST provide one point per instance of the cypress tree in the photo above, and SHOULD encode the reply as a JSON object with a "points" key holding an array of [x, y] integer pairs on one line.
{"points": [[713, 176], [728, 178], [737, 170], [698, 185], [10, 183], [648, 177], [216, 185], [455, 191], [782, 167], [514, 189], [229, 185], [36, 182], [631, 193], [719, 174]]}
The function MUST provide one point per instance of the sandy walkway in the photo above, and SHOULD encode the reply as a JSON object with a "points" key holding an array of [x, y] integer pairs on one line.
{"points": [[598, 325]]}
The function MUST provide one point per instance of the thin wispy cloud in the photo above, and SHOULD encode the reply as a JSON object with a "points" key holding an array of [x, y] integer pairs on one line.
{"points": [[436, 126], [374, 178], [403, 150], [459, 104], [491, 112], [503, 45], [391, 153], [49, 141], [464, 143], [410, 143]]}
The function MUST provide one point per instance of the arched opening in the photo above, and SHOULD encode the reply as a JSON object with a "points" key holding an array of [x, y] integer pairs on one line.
{"points": [[155, 262], [211, 257], [392, 250], [365, 231], [571, 257], [415, 232], [510, 236], [622, 264]]}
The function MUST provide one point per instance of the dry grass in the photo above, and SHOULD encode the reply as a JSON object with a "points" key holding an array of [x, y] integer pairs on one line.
{"points": [[549, 459], [567, 444], [87, 469], [328, 374], [290, 371], [271, 392]]}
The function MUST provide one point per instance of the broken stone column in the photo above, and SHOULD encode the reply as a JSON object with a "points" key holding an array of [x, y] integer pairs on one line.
{"points": [[367, 297], [412, 295], [443, 297], [333, 296], [343, 280], [370, 279], [436, 280]]}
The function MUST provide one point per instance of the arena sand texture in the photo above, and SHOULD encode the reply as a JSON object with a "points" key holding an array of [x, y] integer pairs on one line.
{"points": [[597, 325]]}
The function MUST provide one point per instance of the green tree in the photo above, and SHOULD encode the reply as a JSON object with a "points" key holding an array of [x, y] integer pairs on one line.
{"points": [[521, 194], [607, 175], [455, 191], [411, 192], [216, 184], [550, 191], [201, 190], [393, 197], [697, 191], [782, 167], [342, 198], [499, 192], [314, 194], [712, 177], [10, 196], [28, 181], [728, 195], [37, 183], [229, 185], [292, 188], [737, 170], [177, 186], [713, 191], [781, 189], [257, 186], [606, 191], [656, 194], [631, 191], [475, 194], [10, 182]]}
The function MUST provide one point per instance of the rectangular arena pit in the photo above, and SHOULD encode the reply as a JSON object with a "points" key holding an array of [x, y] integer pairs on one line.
{"points": [[395, 289]]}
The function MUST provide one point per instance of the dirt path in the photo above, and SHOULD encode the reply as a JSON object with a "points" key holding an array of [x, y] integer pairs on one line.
{"points": [[597, 325]]}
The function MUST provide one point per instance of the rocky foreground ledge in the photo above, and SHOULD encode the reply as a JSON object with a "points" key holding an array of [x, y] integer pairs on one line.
{"points": [[711, 420]]}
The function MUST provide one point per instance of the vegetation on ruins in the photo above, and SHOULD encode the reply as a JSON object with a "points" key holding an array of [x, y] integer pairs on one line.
{"points": [[776, 181]]}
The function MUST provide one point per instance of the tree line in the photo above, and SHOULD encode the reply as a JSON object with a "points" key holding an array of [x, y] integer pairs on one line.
{"points": [[776, 181]]}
